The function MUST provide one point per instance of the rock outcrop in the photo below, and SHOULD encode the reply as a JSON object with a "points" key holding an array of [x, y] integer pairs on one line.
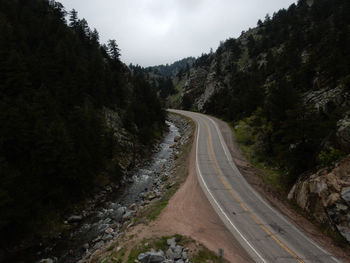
{"points": [[325, 195], [343, 133]]}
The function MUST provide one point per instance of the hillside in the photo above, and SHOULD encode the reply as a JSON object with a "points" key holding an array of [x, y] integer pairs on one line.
{"points": [[73, 117], [288, 79], [284, 86], [164, 78]]}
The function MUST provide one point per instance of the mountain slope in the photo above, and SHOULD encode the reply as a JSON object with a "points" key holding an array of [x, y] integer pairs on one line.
{"points": [[290, 76], [285, 87], [71, 114]]}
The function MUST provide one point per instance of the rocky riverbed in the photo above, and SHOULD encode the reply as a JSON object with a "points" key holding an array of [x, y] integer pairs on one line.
{"points": [[97, 226]]}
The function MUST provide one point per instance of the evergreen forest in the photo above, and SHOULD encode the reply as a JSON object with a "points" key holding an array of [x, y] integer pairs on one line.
{"points": [[57, 81]]}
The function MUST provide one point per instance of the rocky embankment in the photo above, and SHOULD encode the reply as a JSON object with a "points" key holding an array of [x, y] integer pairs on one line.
{"points": [[325, 195], [174, 254]]}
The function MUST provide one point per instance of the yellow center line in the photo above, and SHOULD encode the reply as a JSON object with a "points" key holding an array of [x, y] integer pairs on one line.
{"points": [[245, 208]]}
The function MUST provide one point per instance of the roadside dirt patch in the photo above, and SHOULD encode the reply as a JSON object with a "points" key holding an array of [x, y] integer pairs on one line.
{"points": [[254, 175]]}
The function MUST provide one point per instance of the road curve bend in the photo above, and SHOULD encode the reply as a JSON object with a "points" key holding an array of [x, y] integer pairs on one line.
{"points": [[265, 234]]}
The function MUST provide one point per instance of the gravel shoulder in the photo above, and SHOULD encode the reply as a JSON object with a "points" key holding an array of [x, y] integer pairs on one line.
{"points": [[254, 175]]}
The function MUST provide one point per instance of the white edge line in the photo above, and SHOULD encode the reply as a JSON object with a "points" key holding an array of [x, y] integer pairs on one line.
{"points": [[229, 157], [217, 204]]}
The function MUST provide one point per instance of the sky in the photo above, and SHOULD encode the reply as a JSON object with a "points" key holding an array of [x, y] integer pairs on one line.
{"points": [[154, 32]]}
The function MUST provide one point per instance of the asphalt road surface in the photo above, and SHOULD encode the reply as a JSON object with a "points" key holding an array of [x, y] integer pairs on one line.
{"points": [[265, 234]]}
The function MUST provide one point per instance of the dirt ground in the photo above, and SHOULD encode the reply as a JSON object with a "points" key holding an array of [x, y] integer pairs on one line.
{"points": [[251, 174]]}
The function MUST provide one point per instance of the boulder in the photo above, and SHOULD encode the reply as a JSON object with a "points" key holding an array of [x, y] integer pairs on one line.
{"points": [[46, 260], [343, 133], [121, 210], [177, 252], [150, 196], [152, 257], [170, 254], [184, 255], [345, 194], [128, 215], [133, 207], [171, 242], [107, 237], [109, 231]]}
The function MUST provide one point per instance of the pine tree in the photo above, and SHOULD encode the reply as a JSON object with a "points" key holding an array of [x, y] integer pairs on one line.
{"points": [[113, 50]]}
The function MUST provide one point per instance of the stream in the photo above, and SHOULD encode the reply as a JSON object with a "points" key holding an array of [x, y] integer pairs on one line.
{"points": [[90, 233]]}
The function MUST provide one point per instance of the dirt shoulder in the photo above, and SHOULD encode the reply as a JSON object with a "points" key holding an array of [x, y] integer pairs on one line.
{"points": [[254, 175]]}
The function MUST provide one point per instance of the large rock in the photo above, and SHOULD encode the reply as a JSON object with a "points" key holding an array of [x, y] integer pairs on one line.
{"points": [[326, 196], [345, 194], [170, 254], [177, 252], [128, 215], [171, 242], [326, 100], [121, 210], [152, 257]]}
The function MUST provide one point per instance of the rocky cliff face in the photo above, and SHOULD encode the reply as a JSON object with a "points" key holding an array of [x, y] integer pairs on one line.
{"points": [[205, 80], [325, 195]]}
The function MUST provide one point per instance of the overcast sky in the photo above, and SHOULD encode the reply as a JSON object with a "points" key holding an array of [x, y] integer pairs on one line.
{"points": [[153, 32]]}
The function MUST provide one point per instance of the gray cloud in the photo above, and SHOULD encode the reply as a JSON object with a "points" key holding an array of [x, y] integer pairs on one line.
{"points": [[152, 32]]}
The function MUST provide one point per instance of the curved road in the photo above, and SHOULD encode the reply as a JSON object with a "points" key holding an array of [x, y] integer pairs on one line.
{"points": [[262, 231]]}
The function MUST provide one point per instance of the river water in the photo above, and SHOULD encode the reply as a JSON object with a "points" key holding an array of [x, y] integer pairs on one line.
{"points": [[109, 214]]}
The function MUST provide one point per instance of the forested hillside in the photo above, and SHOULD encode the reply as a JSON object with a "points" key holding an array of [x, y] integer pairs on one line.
{"points": [[70, 114], [164, 78], [285, 84]]}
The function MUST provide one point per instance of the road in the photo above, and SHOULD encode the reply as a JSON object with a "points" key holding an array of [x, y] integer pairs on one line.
{"points": [[265, 234]]}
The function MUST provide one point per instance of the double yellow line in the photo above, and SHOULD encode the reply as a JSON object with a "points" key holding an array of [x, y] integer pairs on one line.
{"points": [[245, 208]]}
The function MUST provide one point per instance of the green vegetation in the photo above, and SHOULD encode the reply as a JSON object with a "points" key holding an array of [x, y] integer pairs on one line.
{"points": [[248, 143], [161, 77], [57, 82], [273, 67], [174, 101], [328, 157]]}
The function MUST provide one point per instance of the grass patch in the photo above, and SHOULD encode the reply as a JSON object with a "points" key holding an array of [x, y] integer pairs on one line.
{"points": [[157, 209], [114, 256], [246, 140]]}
